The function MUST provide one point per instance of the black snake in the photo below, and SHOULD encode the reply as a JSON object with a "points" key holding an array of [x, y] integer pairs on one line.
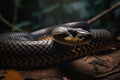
{"points": [[23, 50]]}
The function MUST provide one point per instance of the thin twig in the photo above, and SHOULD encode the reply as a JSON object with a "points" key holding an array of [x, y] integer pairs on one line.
{"points": [[9, 24], [104, 13]]}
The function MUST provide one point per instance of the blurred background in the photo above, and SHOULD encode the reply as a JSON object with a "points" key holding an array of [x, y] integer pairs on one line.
{"points": [[32, 15]]}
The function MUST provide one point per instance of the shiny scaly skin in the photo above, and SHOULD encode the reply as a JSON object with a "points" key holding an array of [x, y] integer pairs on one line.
{"points": [[33, 54]]}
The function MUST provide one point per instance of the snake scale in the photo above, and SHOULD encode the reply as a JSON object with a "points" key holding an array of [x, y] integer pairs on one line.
{"points": [[28, 52]]}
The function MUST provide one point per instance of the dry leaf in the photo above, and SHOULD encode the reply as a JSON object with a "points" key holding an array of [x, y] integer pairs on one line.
{"points": [[13, 75]]}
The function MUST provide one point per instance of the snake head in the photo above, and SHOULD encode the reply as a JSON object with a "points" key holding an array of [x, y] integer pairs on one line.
{"points": [[71, 36]]}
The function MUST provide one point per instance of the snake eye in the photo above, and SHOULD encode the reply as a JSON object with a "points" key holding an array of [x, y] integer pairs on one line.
{"points": [[74, 33]]}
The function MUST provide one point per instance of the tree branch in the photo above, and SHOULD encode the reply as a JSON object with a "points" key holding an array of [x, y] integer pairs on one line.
{"points": [[104, 13], [9, 24]]}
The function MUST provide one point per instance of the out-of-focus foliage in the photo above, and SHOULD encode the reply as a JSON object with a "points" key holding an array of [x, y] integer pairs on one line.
{"points": [[31, 15]]}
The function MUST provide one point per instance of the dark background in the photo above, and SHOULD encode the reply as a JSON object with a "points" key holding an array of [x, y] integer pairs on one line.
{"points": [[32, 15]]}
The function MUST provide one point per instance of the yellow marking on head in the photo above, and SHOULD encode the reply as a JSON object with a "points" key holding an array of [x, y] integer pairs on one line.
{"points": [[46, 38], [69, 39]]}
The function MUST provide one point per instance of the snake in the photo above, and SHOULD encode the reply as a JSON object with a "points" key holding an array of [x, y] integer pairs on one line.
{"points": [[52, 45]]}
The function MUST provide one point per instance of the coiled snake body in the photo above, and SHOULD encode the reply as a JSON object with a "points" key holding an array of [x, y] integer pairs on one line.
{"points": [[22, 50]]}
